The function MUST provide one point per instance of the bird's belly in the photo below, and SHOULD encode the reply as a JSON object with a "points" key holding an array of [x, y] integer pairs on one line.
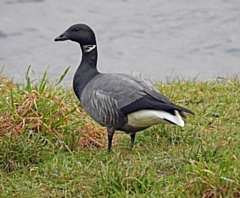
{"points": [[147, 118]]}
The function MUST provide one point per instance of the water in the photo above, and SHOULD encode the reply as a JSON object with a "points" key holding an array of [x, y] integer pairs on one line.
{"points": [[157, 39]]}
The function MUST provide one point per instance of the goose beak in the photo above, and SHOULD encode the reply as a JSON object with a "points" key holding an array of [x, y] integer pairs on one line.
{"points": [[62, 37]]}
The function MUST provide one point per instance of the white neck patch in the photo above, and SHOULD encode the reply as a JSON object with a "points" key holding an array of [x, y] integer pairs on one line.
{"points": [[88, 48]]}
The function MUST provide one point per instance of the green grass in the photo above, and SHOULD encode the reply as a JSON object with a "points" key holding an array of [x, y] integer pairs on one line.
{"points": [[49, 147]]}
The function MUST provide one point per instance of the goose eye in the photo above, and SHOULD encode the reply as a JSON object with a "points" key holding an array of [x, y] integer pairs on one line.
{"points": [[76, 29]]}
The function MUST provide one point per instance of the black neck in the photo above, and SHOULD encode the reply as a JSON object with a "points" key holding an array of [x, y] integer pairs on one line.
{"points": [[87, 69]]}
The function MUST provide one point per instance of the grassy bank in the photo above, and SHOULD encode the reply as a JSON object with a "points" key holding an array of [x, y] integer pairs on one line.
{"points": [[49, 147]]}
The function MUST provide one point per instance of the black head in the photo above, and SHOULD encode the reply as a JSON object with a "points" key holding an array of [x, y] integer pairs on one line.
{"points": [[79, 33]]}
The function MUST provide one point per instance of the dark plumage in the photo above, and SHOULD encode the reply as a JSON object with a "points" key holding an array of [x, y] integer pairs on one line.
{"points": [[117, 101]]}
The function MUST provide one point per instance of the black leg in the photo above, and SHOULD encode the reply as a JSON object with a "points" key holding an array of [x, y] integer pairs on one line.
{"points": [[132, 135], [110, 142], [110, 137]]}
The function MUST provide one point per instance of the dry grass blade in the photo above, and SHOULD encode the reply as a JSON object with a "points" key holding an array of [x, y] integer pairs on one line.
{"points": [[49, 111]]}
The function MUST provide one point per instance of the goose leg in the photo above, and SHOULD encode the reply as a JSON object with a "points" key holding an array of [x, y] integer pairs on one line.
{"points": [[132, 135], [110, 137]]}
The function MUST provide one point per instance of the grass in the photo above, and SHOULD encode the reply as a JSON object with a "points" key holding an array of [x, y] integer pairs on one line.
{"points": [[49, 147]]}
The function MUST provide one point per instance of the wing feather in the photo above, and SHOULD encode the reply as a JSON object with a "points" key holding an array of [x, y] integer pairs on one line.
{"points": [[127, 94]]}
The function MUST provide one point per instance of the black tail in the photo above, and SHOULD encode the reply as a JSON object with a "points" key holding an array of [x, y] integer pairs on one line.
{"points": [[181, 110]]}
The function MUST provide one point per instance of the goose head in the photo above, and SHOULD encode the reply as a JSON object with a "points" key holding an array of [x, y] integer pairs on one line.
{"points": [[79, 33]]}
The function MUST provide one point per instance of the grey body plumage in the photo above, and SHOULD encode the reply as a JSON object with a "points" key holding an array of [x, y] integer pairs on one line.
{"points": [[117, 101]]}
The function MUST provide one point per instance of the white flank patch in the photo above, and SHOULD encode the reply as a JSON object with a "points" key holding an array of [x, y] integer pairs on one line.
{"points": [[146, 118]]}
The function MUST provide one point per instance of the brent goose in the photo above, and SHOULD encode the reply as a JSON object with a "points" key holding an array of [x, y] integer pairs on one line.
{"points": [[117, 101]]}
